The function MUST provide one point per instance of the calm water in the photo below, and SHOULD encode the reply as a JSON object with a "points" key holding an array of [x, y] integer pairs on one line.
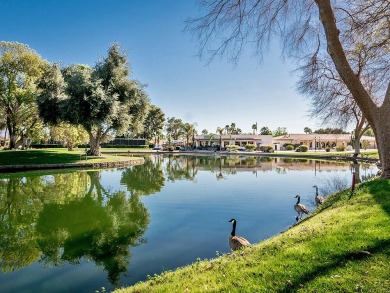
{"points": [[83, 230]]}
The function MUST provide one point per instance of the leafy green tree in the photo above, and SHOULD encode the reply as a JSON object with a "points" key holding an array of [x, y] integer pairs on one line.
{"points": [[20, 68], [279, 131], [205, 131], [189, 132], [69, 135], [309, 31], [265, 131], [154, 123], [174, 128], [102, 99], [307, 130]]}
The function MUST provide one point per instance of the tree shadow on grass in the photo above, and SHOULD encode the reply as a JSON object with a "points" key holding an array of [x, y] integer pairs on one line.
{"points": [[30, 157], [337, 262], [381, 192]]}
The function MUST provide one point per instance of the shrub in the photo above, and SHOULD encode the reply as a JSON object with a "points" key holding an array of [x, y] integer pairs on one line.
{"points": [[232, 147], [250, 147], [302, 148], [289, 147], [340, 148], [267, 149]]}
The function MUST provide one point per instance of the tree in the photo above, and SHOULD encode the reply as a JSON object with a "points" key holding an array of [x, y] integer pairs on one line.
{"points": [[189, 132], [20, 68], [279, 131], [174, 128], [265, 131], [308, 30], [307, 130], [205, 132], [220, 131], [69, 135], [254, 128], [154, 123], [102, 99]]}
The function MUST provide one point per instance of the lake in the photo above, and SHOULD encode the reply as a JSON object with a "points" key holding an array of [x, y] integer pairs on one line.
{"points": [[79, 231]]}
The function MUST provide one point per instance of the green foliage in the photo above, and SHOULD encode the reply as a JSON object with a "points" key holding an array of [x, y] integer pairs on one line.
{"points": [[265, 131], [20, 68], [174, 128], [279, 131], [250, 147], [340, 148], [329, 130], [232, 147], [154, 123], [302, 148], [103, 99], [289, 147], [267, 149]]}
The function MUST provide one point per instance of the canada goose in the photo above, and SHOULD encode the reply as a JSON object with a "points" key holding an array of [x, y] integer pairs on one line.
{"points": [[319, 199], [236, 242], [300, 207]]}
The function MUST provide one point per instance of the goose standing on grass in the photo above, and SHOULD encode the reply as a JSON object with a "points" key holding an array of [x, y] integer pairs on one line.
{"points": [[319, 199], [300, 208], [236, 242]]}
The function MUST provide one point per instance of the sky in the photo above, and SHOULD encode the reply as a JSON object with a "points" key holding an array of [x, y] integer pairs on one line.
{"points": [[164, 56]]}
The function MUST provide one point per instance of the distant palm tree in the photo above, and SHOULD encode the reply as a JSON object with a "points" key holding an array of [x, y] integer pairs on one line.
{"points": [[254, 128], [220, 132]]}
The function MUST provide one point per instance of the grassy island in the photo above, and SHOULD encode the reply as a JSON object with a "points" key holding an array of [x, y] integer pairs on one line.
{"points": [[344, 246]]}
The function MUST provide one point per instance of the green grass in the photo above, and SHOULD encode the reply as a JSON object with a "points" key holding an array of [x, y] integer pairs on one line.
{"points": [[344, 246], [51, 156]]}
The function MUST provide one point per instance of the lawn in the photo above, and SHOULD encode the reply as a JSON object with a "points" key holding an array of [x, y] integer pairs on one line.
{"points": [[51, 156]]}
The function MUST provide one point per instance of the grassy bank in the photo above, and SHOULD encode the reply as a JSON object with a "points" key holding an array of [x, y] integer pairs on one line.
{"points": [[344, 246], [53, 156]]}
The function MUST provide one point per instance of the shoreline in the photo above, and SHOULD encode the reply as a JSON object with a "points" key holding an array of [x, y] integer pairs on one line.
{"points": [[94, 165]]}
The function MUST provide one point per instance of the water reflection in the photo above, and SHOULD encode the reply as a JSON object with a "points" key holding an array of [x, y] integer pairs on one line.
{"points": [[68, 217]]}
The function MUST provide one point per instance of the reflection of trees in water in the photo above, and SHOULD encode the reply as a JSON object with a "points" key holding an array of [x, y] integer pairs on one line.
{"points": [[59, 218], [180, 168], [145, 179], [87, 229]]}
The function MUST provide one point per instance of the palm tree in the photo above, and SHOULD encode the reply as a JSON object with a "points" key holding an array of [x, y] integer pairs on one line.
{"points": [[254, 128], [220, 131]]}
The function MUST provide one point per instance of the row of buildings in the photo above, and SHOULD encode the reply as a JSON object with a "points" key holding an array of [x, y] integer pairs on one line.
{"points": [[313, 141]]}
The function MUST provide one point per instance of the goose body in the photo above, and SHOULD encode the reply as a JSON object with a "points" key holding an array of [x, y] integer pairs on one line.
{"points": [[236, 242], [318, 198], [300, 207]]}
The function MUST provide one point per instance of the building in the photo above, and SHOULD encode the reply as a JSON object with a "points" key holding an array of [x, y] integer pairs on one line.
{"points": [[210, 140], [317, 141]]}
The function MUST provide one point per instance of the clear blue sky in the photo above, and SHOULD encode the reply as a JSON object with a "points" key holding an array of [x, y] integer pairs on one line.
{"points": [[163, 56]]}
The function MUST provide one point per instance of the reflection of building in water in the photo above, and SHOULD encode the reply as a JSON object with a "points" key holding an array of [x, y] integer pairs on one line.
{"points": [[316, 165], [186, 166]]}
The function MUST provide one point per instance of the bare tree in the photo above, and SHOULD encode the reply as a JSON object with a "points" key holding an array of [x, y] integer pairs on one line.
{"points": [[310, 29]]}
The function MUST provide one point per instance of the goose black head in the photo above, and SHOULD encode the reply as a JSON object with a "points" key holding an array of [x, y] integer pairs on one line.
{"points": [[232, 220], [297, 196]]}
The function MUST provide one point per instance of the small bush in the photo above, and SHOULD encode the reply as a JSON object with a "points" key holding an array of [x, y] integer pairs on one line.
{"points": [[267, 149], [340, 148], [289, 147], [232, 148], [250, 147], [302, 148]]}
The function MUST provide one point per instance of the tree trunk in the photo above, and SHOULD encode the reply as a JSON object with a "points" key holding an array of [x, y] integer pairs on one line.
{"points": [[94, 144], [376, 116]]}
